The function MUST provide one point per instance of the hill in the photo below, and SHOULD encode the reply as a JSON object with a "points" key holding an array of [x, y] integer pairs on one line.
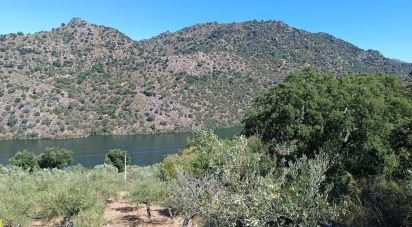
{"points": [[81, 79]]}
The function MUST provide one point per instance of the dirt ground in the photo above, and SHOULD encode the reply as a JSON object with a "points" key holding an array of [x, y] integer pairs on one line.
{"points": [[121, 213]]}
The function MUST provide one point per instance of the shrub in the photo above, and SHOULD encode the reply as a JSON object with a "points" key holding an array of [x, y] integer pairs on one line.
{"points": [[57, 63], [75, 192], [55, 158], [380, 202], [149, 190], [116, 157], [93, 215], [401, 141], [181, 161], [232, 191], [24, 159]]}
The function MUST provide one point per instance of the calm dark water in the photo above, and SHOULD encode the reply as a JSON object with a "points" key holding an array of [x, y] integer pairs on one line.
{"points": [[90, 151]]}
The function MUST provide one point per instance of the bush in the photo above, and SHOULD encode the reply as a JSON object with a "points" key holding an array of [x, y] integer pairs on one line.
{"points": [[182, 161], [116, 157], [57, 63], [401, 141], [149, 190], [383, 202], [231, 189], [75, 192], [93, 215], [24, 159], [147, 186], [55, 158]]}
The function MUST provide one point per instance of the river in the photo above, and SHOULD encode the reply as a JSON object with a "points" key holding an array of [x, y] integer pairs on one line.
{"points": [[90, 151]]}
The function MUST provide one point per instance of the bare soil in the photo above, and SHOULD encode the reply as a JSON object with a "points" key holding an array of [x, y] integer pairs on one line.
{"points": [[122, 213]]}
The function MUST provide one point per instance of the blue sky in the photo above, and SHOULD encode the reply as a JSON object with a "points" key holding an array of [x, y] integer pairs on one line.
{"points": [[383, 25]]}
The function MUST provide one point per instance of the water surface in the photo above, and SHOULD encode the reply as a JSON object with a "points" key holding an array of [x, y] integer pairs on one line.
{"points": [[90, 151]]}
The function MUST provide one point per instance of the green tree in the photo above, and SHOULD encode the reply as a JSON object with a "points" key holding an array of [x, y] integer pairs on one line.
{"points": [[115, 157], [53, 157], [24, 159], [351, 117]]}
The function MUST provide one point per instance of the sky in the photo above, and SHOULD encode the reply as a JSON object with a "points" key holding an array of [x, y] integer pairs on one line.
{"points": [[383, 25]]}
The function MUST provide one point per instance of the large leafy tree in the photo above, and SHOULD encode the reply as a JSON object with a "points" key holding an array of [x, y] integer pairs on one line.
{"points": [[352, 117]]}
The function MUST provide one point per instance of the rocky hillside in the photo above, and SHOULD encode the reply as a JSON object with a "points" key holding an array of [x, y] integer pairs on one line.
{"points": [[81, 79]]}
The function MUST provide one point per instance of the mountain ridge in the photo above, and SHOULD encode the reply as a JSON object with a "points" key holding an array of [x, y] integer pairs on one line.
{"points": [[81, 78]]}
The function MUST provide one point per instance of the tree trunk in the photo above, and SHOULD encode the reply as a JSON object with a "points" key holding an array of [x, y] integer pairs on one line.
{"points": [[188, 218]]}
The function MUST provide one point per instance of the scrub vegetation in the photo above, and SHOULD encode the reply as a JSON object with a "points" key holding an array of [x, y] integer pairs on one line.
{"points": [[318, 149], [83, 79]]}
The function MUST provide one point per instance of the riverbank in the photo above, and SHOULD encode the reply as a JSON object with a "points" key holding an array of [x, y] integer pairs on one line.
{"points": [[6, 137]]}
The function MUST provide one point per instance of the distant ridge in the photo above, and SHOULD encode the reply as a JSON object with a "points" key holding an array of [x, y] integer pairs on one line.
{"points": [[81, 79]]}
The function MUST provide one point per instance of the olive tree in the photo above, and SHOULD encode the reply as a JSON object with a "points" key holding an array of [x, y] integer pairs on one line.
{"points": [[232, 191]]}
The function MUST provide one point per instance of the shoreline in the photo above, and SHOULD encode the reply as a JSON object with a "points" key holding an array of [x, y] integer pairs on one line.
{"points": [[114, 134]]}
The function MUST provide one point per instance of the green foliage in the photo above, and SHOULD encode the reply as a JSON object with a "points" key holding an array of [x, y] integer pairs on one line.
{"points": [[57, 63], [146, 185], [55, 158], [389, 202], [50, 158], [116, 157], [24, 159], [196, 158], [181, 161], [351, 117], [231, 188], [92, 215], [362, 122], [381, 202], [149, 190], [75, 192], [401, 141]]}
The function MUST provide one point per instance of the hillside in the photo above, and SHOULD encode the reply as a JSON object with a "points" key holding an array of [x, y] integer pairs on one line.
{"points": [[81, 79]]}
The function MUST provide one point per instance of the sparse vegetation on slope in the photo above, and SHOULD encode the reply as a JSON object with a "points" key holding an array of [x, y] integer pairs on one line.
{"points": [[81, 79]]}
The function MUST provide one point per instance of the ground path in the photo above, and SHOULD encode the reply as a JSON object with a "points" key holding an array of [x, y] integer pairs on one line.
{"points": [[122, 213]]}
